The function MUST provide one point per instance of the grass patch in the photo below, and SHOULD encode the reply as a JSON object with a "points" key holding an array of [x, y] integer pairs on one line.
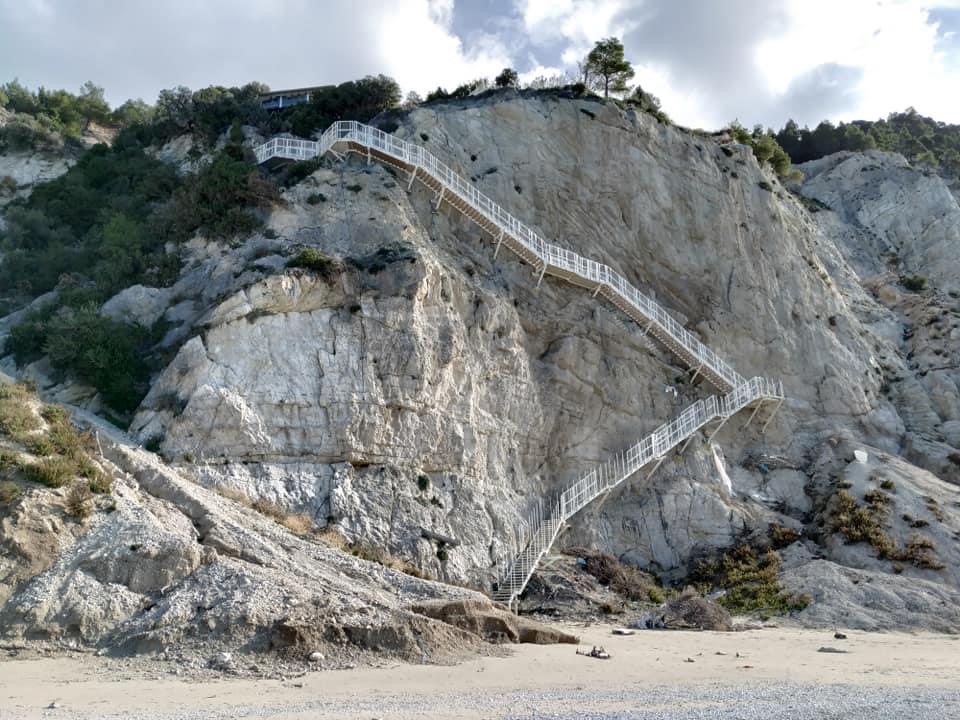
{"points": [[10, 492], [17, 419], [299, 524], [868, 524], [750, 580], [53, 472], [332, 537]]}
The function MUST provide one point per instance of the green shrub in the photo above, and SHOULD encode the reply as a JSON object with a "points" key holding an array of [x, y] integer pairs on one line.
{"points": [[782, 536], [218, 199], [297, 172], [100, 351], [750, 580], [91, 224], [315, 260], [423, 482], [915, 283], [764, 185], [361, 100], [316, 198]]}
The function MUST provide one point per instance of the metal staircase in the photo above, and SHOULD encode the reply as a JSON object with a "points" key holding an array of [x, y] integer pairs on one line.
{"points": [[539, 532]]}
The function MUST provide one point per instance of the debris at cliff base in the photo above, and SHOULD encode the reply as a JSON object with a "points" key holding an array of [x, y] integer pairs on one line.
{"points": [[689, 612], [491, 622]]}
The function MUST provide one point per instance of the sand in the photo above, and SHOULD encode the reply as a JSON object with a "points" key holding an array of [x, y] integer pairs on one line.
{"points": [[532, 678]]}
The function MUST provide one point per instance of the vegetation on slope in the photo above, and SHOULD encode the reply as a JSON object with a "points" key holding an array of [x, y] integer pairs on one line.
{"points": [[749, 580], [40, 446], [920, 139]]}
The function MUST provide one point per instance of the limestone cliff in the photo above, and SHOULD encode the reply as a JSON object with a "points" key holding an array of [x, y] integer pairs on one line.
{"points": [[421, 389]]}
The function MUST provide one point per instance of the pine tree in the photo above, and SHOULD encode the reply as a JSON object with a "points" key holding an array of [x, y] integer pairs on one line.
{"points": [[607, 65]]}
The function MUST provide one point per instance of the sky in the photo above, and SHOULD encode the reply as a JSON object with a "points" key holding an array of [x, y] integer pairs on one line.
{"points": [[709, 61]]}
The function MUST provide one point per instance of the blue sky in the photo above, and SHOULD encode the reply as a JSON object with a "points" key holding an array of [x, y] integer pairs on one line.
{"points": [[709, 61]]}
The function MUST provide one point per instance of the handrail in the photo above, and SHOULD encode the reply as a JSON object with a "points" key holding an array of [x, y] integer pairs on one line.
{"points": [[535, 537], [534, 542], [552, 256]]}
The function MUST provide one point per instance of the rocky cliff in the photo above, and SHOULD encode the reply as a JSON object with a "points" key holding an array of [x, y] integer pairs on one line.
{"points": [[420, 395]]}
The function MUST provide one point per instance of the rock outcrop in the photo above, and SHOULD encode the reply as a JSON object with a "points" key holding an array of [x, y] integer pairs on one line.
{"points": [[421, 396]]}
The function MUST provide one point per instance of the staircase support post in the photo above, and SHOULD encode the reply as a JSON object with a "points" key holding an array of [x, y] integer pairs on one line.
{"points": [[499, 242], [650, 474], [714, 433], [753, 415], [413, 176], [696, 373], [772, 415], [543, 271]]}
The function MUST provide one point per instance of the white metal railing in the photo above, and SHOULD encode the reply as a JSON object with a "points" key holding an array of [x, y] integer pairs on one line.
{"points": [[553, 257], [535, 536]]}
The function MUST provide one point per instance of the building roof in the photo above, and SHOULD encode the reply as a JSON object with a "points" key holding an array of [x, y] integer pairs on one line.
{"points": [[293, 91]]}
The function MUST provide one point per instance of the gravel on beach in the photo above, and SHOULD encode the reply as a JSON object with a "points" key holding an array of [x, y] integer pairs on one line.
{"points": [[743, 702]]}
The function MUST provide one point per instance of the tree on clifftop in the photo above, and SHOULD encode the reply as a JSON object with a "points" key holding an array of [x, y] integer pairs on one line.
{"points": [[507, 78], [607, 67]]}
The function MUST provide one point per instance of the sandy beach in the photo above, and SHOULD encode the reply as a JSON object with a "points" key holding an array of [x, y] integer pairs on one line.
{"points": [[650, 674]]}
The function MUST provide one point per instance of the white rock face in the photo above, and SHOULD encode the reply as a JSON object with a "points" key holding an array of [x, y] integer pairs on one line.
{"points": [[137, 305], [336, 396], [175, 567], [423, 389], [25, 170], [909, 216]]}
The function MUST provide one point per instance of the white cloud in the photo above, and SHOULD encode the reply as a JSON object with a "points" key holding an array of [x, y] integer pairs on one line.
{"points": [[577, 23], [757, 60], [895, 44], [417, 48]]}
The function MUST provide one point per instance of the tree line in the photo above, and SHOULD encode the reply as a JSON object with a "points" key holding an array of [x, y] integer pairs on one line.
{"points": [[922, 140]]}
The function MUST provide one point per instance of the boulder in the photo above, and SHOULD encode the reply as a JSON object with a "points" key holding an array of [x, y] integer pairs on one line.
{"points": [[492, 622], [690, 612], [138, 304]]}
